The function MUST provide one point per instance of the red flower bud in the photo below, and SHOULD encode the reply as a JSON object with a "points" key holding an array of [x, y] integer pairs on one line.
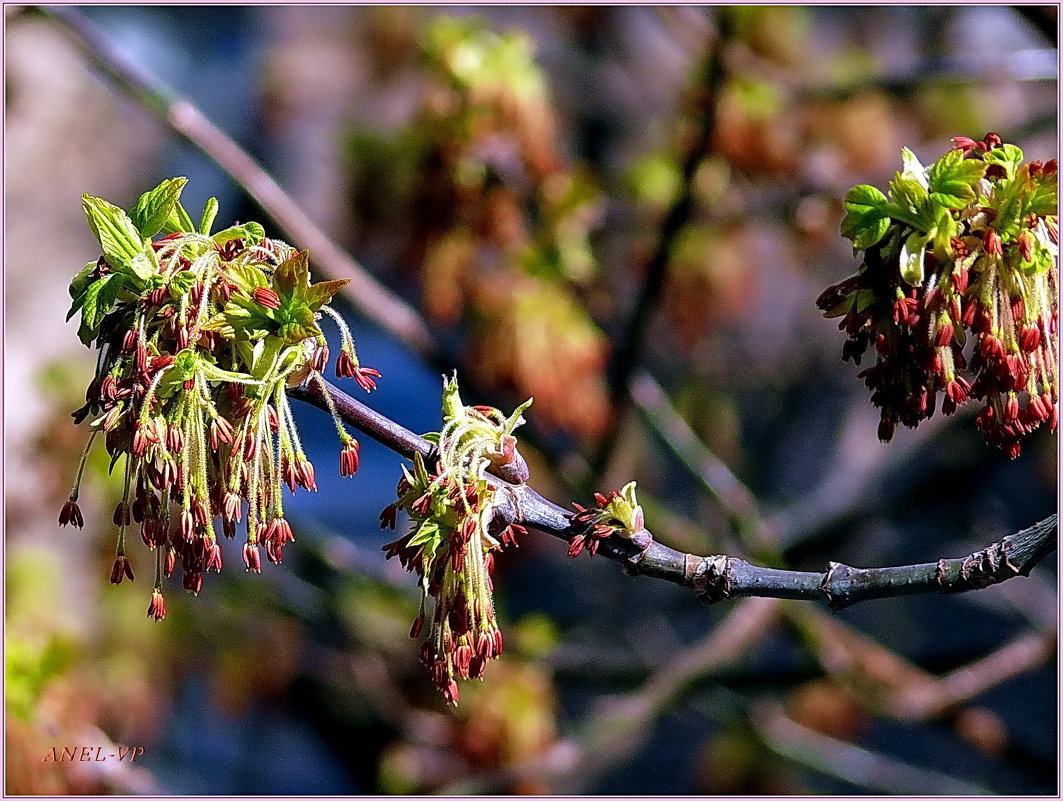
{"points": [[349, 458], [252, 558], [268, 297], [71, 513], [157, 606], [121, 569]]}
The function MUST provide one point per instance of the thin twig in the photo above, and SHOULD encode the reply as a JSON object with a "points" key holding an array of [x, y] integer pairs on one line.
{"points": [[849, 762], [632, 341], [720, 577]]}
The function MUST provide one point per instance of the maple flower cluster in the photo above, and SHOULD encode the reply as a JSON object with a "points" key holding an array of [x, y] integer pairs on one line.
{"points": [[957, 291], [616, 513], [199, 335], [454, 535]]}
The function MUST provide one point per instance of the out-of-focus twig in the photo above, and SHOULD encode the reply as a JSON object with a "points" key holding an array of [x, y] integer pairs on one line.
{"points": [[716, 477], [850, 763], [632, 340], [887, 683], [1017, 657]]}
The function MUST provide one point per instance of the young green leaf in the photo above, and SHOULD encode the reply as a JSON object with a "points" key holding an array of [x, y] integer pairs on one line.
{"points": [[98, 300], [952, 179], [206, 220], [116, 233], [912, 253], [1007, 156], [913, 168], [866, 218], [154, 208], [912, 203], [1043, 198], [323, 291], [292, 276]]}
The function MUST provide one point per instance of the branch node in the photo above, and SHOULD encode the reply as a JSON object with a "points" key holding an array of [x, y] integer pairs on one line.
{"points": [[710, 577], [941, 574], [842, 573], [982, 568]]}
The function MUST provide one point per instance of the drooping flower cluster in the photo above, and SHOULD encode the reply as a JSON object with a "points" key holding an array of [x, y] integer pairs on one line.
{"points": [[454, 534], [199, 335], [616, 513], [957, 292]]}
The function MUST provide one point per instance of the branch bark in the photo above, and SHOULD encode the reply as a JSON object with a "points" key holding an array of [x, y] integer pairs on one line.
{"points": [[720, 577]]}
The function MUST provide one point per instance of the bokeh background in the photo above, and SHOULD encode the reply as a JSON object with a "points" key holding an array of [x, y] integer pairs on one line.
{"points": [[508, 171]]}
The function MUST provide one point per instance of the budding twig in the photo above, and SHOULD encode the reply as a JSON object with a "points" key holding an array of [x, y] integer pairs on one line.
{"points": [[720, 577]]}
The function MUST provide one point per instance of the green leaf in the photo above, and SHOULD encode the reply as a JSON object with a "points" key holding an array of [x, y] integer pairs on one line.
{"points": [[255, 232], [246, 277], [515, 419], [952, 179], [144, 265], [913, 168], [452, 403], [181, 284], [912, 203], [323, 291], [294, 333], [1007, 156], [292, 276], [206, 220], [252, 233], [1008, 201], [1043, 199], [116, 233], [154, 208], [98, 300], [81, 281], [911, 262], [428, 531], [866, 219]]}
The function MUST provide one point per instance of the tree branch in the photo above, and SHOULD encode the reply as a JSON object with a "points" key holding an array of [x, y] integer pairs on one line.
{"points": [[633, 338], [718, 578]]}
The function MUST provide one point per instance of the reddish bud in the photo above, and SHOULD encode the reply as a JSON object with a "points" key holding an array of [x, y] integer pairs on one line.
{"points": [[1030, 338], [221, 430], [157, 606], [418, 625], [346, 366], [349, 458], [71, 513], [994, 246], [304, 474], [121, 569], [364, 376], [268, 297], [944, 335], [320, 358], [252, 558]]}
